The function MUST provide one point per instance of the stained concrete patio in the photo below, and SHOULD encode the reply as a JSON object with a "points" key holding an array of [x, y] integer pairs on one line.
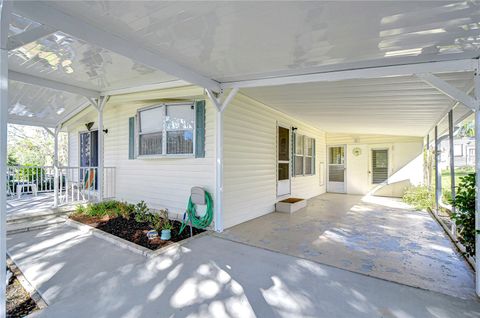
{"points": [[375, 236], [83, 276]]}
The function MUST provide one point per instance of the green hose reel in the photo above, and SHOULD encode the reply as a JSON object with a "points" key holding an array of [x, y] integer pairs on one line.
{"points": [[198, 196]]}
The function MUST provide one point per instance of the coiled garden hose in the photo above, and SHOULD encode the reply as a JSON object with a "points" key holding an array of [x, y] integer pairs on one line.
{"points": [[191, 214]]}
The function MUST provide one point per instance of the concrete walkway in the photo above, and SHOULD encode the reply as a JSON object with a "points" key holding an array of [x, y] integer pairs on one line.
{"points": [[375, 236], [83, 276]]}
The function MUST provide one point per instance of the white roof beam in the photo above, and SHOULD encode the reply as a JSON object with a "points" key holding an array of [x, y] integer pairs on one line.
{"points": [[448, 89], [39, 81], [148, 87], [29, 121], [363, 73], [28, 36], [46, 14]]}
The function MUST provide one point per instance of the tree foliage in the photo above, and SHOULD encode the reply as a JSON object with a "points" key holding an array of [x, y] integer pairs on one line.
{"points": [[29, 145]]}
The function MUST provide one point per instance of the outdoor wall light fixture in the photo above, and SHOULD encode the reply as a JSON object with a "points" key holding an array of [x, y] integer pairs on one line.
{"points": [[294, 128], [90, 125]]}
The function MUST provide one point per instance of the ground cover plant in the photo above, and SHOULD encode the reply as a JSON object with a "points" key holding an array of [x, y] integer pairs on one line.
{"points": [[131, 222]]}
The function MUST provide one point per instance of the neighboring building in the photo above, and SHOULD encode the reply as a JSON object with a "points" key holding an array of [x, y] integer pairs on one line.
{"points": [[162, 143], [464, 152]]}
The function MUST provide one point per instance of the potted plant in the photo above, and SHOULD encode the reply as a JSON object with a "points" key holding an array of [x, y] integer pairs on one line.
{"points": [[166, 230]]}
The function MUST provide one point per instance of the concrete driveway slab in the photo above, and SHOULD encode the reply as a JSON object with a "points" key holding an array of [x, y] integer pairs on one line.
{"points": [[375, 236], [210, 277]]}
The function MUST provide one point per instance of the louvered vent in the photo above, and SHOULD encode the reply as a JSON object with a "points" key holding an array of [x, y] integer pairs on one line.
{"points": [[379, 166]]}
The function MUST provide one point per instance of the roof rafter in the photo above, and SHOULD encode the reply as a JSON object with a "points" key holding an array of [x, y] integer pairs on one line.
{"points": [[38, 81], [448, 89], [48, 15], [363, 73]]}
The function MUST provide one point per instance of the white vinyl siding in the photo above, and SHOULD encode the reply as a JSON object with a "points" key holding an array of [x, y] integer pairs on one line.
{"points": [[161, 182], [250, 160], [250, 172]]}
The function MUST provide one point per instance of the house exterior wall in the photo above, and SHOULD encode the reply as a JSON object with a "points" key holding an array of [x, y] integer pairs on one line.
{"points": [[160, 182], [405, 163], [250, 160], [250, 166]]}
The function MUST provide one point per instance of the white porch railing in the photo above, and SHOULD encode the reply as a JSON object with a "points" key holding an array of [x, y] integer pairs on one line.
{"points": [[75, 184]]}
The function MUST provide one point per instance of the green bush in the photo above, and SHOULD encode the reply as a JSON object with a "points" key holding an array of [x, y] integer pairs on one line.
{"points": [[110, 208], [464, 215], [419, 197], [31, 174], [142, 213], [114, 208]]}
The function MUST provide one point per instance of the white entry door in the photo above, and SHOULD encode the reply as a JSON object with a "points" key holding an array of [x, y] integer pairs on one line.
{"points": [[336, 169], [283, 160]]}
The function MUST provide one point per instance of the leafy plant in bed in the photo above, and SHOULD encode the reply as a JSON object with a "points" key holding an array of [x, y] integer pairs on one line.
{"points": [[131, 222]]}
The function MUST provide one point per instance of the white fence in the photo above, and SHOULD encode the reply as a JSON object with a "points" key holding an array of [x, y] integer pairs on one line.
{"points": [[74, 183]]}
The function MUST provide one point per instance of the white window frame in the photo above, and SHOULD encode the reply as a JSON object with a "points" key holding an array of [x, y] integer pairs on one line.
{"points": [[164, 131], [305, 156]]}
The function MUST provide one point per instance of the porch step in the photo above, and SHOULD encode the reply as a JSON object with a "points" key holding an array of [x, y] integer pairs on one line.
{"points": [[36, 223]]}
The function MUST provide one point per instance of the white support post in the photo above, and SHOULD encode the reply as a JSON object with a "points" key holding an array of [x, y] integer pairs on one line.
{"points": [[452, 165], [100, 167], [438, 175], [55, 167], [4, 103], [220, 107], [477, 179]]}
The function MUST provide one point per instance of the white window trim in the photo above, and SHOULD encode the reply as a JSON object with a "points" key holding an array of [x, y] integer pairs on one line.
{"points": [[164, 132], [304, 156]]}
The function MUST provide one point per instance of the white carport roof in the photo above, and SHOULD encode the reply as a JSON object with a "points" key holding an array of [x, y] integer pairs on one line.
{"points": [[108, 47]]}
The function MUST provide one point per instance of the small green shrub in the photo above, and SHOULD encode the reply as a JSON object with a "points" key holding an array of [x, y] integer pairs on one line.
{"points": [[110, 208], [96, 210], [464, 215], [142, 213], [167, 225], [125, 209], [156, 222], [80, 209], [419, 197]]}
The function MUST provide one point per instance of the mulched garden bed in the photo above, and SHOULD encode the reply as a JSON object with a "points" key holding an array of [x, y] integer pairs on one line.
{"points": [[19, 303], [133, 231]]}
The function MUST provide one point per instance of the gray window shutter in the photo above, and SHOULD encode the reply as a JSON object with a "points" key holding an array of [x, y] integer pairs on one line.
{"points": [[200, 129], [131, 138]]}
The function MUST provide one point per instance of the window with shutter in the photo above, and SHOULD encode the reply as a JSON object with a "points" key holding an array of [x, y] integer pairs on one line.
{"points": [[168, 130], [379, 165]]}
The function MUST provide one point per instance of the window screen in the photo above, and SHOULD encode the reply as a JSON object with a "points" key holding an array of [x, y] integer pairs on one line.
{"points": [[167, 129]]}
